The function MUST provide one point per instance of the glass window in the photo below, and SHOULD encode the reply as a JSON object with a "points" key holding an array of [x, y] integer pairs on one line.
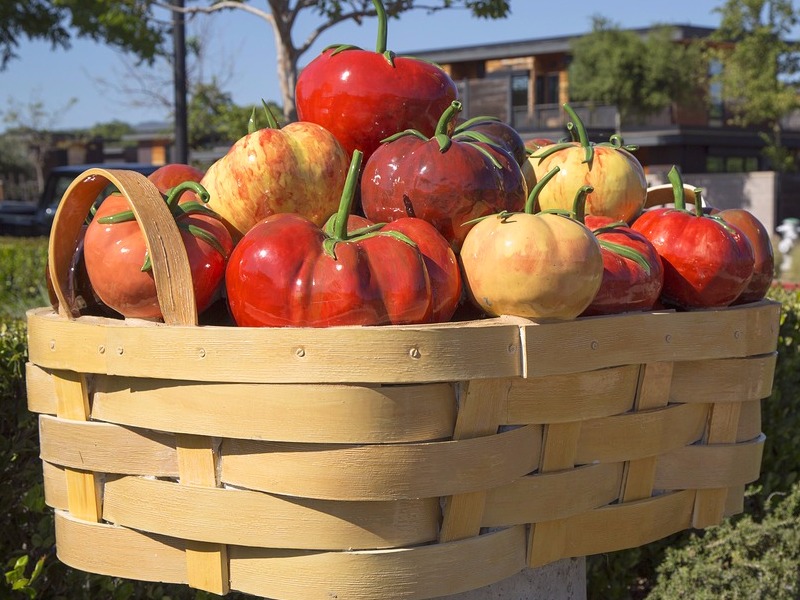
{"points": [[519, 90]]}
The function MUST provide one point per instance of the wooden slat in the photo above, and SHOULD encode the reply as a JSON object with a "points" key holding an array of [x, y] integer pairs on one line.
{"points": [[710, 466], [724, 380], [106, 448], [650, 337], [550, 496], [639, 435], [401, 354], [654, 392], [311, 413], [481, 404], [243, 517], [413, 573], [572, 397], [72, 404], [382, 472]]}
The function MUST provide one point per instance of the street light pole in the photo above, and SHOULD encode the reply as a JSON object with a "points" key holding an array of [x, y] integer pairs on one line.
{"points": [[181, 144]]}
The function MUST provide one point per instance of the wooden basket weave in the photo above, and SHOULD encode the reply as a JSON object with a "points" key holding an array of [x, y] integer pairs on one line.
{"points": [[379, 462]]}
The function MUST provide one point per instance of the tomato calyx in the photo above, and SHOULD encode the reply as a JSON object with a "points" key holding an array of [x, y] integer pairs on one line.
{"points": [[470, 138], [679, 199], [272, 122], [578, 134], [380, 44], [178, 212], [335, 229]]}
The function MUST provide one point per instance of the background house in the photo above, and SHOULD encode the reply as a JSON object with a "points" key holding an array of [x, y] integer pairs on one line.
{"points": [[526, 82]]}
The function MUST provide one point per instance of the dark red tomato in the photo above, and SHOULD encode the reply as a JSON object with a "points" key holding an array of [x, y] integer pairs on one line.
{"points": [[168, 176], [362, 97], [280, 275], [115, 254], [757, 234], [632, 272], [707, 262], [497, 132], [445, 181]]}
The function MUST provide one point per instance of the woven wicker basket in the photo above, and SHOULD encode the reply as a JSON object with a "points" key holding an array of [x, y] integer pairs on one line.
{"points": [[379, 462]]}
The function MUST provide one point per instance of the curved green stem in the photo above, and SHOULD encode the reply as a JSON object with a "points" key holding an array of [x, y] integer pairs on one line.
{"points": [[531, 201], [346, 202], [383, 28], [579, 204], [583, 137], [678, 194], [175, 193]]}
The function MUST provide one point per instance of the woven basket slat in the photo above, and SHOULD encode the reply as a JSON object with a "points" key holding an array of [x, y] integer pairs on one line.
{"points": [[106, 448], [638, 435], [381, 472], [650, 337], [749, 421], [557, 495], [710, 466], [724, 380], [329, 355], [419, 572], [572, 397], [119, 552]]}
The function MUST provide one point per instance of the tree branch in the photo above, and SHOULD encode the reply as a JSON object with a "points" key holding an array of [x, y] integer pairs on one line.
{"points": [[224, 5]]}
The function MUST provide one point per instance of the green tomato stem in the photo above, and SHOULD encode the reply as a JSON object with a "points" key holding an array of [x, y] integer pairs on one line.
{"points": [[579, 204], [175, 193], [531, 201], [448, 115], [346, 202], [698, 202], [580, 129], [383, 29], [678, 195]]}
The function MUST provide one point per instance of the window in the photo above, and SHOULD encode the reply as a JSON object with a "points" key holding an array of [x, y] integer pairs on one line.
{"points": [[519, 90], [547, 88]]}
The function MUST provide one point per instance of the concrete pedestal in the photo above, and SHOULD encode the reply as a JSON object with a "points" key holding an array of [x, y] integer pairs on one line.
{"points": [[561, 580]]}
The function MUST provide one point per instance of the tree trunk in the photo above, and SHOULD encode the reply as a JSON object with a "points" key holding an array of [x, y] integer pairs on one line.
{"points": [[286, 55]]}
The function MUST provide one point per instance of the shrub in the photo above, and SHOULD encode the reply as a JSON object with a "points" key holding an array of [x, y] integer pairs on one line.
{"points": [[744, 559], [22, 275]]}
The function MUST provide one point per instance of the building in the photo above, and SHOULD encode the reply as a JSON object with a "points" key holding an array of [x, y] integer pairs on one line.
{"points": [[525, 83]]}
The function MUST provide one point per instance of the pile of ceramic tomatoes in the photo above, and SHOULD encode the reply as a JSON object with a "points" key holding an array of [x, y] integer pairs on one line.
{"points": [[381, 205]]}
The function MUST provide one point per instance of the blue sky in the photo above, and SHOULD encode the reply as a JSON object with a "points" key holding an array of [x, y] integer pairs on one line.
{"points": [[242, 45]]}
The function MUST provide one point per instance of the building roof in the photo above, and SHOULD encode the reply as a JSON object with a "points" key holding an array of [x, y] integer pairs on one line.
{"points": [[532, 47]]}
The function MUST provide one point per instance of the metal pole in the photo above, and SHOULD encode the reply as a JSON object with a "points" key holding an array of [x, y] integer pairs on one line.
{"points": [[181, 144]]}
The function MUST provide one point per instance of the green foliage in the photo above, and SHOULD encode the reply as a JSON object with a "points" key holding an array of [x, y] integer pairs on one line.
{"points": [[125, 24], [22, 275], [746, 559], [214, 119], [640, 75], [760, 77]]}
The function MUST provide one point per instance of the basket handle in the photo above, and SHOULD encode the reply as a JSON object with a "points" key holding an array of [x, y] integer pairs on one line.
{"points": [[171, 271], [658, 195]]}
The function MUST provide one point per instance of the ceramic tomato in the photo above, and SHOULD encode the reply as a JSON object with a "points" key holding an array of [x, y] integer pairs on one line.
{"points": [[286, 271], [763, 252], [707, 261], [447, 181], [440, 260], [500, 133], [614, 173], [363, 97], [116, 257], [299, 168], [632, 272], [544, 265]]}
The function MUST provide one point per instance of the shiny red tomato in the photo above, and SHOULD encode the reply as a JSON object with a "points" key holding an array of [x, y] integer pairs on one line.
{"points": [[440, 261], [757, 234], [116, 255], [632, 272], [707, 262], [445, 181], [287, 271], [362, 97]]}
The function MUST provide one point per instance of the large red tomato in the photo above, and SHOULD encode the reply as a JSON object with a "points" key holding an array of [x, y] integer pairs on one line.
{"points": [[116, 255], [707, 262], [363, 97]]}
